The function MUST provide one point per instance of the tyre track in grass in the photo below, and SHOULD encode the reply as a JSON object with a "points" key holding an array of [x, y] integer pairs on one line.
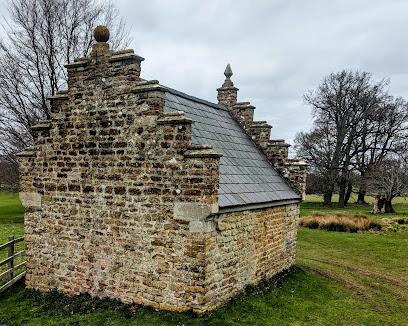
{"points": [[367, 291], [398, 281]]}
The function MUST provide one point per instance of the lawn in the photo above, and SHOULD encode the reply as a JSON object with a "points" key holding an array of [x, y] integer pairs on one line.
{"points": [[372, 266], [11, 223], [339, 279], [314, 203], [11, 216], [303, 298]]}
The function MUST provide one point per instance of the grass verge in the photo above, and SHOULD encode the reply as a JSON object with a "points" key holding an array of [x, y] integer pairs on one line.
{"points": [[314, 203], [11, 216]]}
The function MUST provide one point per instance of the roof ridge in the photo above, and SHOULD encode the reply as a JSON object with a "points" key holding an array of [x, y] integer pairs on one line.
{"points": [[193, 98]]}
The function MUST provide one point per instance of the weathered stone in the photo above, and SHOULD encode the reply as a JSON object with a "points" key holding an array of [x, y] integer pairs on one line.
{"points": [[201, 226], [193, 211], [101, 34], [30, 199], [119, 202]]}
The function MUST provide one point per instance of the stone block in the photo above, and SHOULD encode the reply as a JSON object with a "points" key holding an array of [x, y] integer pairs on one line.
{"points": [[194, 211], [30, 199], [201, 226]]}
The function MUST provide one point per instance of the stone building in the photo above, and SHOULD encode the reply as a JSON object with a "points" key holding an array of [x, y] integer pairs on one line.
{"points": [[139, 192]]}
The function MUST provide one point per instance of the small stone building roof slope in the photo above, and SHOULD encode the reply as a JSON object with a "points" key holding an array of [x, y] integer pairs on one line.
{"points": [[246, 175]]}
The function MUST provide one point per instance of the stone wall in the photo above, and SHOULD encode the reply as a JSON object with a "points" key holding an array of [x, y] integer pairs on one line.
{"points": [[293, 170], [249, 246], [101, 187], [119, 203]]}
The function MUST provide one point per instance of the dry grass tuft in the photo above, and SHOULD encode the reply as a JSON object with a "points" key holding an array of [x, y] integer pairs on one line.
{"points": [[339, 222], [396, 224]]}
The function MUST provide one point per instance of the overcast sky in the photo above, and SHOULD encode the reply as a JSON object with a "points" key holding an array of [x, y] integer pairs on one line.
{"points": [[278, 49]]}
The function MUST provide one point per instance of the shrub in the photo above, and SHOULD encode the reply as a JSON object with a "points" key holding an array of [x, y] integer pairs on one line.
{"points": [[339, 222]]}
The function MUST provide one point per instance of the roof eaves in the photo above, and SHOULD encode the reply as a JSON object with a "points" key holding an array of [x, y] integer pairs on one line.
{"points": [[239, 208]]}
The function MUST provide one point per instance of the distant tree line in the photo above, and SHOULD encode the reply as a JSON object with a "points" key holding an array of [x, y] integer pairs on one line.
{"points": [[8, 175], [358, 139]]}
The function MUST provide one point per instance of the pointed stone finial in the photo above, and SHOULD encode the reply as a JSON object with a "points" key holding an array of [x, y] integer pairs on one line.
{"points": [[101, 34], [228, 73]]}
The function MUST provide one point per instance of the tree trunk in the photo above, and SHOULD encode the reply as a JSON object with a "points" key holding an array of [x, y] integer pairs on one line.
{"points": [[361, 196], [362, 190], [348, 193], [379, 204], [388, 206], [342, 192], [327, 198]]}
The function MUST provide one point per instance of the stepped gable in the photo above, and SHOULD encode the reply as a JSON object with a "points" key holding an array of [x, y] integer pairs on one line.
{"points": [[293, 171], [246, 175]]}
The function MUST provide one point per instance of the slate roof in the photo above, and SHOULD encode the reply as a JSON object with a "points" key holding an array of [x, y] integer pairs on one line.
{"points": [[246, 175]]}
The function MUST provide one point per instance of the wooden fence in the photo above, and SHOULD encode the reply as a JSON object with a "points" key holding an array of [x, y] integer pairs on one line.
{"points": [[12, 268]]}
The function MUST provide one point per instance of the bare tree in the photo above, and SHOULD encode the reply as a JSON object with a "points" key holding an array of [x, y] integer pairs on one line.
{"points": [[42, 36], [8, 175], [387, 179], [317, 148], [381, 138], [355, 124]]}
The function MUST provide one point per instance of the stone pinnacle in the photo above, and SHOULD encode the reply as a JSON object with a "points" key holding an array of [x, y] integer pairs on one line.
{"points": [[228, 71], [228, 74]]}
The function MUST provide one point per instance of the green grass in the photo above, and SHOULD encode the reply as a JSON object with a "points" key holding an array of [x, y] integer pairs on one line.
{"points": [[11, 223], [314, 203], [371, 265], [340, 279], [11, 216], [303, 298]]}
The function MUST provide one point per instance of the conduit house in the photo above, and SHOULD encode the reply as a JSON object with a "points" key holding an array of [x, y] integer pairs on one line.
{"points": [[142, 193]]}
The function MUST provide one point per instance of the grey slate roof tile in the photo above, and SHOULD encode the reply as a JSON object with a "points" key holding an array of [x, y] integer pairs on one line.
{"points": [[246, 176]]}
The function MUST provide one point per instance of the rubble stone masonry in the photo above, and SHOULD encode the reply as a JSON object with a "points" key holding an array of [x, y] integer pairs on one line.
{"points": [[248, 246], [118, 202]]}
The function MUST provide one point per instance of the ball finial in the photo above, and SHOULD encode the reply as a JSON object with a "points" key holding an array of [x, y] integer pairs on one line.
{"points": [[101, 33]]}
